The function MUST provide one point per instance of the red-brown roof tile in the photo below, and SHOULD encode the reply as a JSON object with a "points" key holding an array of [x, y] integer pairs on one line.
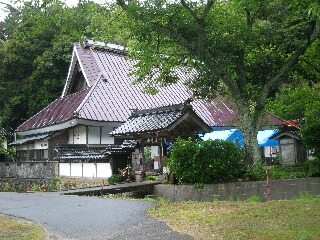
{"points": [[111, 95], [59, 111]]}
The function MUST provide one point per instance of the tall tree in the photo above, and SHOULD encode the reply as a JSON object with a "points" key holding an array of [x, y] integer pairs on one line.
{"points": [[244, 47], [35, 57], [5, 27], [293, 101]]}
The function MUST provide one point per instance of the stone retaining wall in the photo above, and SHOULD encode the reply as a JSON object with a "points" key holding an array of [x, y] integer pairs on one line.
{"points": [[40, 170], [279, 189]]}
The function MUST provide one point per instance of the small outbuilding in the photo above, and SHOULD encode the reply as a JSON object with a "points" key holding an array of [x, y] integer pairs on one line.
{"points": [[292, 150]]}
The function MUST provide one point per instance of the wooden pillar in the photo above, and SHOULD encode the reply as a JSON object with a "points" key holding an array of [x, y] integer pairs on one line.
{"points": [[142, 154], [160, 157]]}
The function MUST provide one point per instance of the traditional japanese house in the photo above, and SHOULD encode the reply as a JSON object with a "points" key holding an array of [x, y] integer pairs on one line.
{"points": [[98, 97]]}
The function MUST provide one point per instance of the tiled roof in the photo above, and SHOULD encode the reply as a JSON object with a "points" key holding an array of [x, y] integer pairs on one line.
{"points": [[29, 139], [111, 96], [156, 119], [88, 63], [117, 96], [59, 111], [77, 151]]}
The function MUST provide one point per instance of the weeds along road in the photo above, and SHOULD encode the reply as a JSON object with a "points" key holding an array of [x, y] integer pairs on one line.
{"points": [[81, 217]]}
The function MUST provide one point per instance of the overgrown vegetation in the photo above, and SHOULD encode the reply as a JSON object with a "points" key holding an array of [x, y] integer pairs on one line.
{"points": [[35, 51], [200, 162], [11, 229], [151, 178], [251, 219], [301, 102], [310, 168], [246, 50], [212, 161], [115, 178]]}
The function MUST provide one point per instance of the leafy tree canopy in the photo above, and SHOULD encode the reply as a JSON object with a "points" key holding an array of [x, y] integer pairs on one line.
{"points": [[35, 54], [301, 103], [292, 102], [243, 47]]}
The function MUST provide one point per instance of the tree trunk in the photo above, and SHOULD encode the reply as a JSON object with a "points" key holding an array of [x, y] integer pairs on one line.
{"points": [[249, 127], [251, 148]]}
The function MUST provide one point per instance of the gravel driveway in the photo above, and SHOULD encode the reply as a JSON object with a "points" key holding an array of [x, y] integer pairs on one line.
{"points": [[80, 217]]}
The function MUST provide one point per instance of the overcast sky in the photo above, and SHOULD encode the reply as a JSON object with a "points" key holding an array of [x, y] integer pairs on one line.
{"points": [[69, 3]]}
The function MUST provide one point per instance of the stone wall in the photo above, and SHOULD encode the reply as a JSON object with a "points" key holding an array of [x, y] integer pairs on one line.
{"points": [[40, 170], [279, 189]]}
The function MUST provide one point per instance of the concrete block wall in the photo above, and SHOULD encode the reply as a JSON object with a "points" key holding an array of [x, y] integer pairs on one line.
{"points": [[279, 189]]}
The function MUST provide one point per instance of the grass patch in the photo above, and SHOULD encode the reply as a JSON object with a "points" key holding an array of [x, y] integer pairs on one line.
{"points": [[286, 172], [11, 229], [287, 219]]}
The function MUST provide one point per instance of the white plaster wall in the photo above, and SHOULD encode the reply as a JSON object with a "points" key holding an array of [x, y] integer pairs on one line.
{"points": [[89, 170], [64, 169], [76, 170], [268, 150], [94, 135], [104, 170], [70, 135], [41, 144], [78, 135], [105, 138]]}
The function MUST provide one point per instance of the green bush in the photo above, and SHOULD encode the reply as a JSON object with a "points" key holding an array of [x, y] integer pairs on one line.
{"points": [[287, 172], [256, 173], [151, 178], [53, 184], [310, 131], [212, 161], [312, 168], [115, 178], [253, 198]]}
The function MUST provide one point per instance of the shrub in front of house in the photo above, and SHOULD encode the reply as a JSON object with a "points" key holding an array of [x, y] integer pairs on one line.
{"points": [[211, 161], [312, 168], [115, 178]]}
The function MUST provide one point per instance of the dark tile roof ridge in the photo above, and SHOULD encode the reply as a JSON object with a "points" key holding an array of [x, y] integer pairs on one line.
{"points": [[104, 46], [180, 107]]}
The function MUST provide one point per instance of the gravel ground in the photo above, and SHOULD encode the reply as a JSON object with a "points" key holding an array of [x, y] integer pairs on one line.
{"points": [[76, 217]]}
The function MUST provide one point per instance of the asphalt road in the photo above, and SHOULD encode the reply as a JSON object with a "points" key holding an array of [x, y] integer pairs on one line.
{"points": [[81, 217]]}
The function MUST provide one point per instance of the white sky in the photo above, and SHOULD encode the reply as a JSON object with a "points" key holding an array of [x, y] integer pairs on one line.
{"points": [[69, 3]]}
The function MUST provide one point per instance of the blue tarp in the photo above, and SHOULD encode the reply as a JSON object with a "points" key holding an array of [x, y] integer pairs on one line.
{"points": [[267, 141], [236, 136]]}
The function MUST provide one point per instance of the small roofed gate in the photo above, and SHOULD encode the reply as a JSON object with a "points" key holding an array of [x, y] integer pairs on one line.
{"points": [[155, 128]]}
